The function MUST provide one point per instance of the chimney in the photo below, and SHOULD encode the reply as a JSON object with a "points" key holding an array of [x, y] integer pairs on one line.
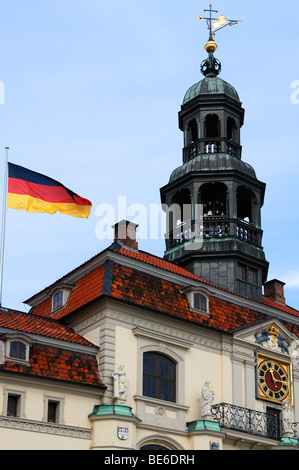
{"points": [[125, 233], [274, 290]]}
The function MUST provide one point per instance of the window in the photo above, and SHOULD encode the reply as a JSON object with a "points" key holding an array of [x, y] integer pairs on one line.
{"points": [[53, 409], [158, 376], [231, 129], [13, 402], [247, 274], [13, 405], [200, 302], [60, 295], [198, 299], [272, 422], [242, 272], [192, 132], [16, 347], [213, 197], [246, 201], [57, 300], [18, 350], [252, 276], [212, 126]]}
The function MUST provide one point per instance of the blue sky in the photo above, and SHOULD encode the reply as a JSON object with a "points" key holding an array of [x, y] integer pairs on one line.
{"points": [[92, 92]]}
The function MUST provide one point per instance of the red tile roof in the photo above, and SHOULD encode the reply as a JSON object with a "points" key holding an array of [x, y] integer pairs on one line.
{"points": [[165, 297], [86, 289], [159, 263], [31, 324], [153, 292], [58, 364], [282, 307]]}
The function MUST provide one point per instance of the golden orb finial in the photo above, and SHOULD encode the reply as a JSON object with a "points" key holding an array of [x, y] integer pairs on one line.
{"points": [[211, 46]]}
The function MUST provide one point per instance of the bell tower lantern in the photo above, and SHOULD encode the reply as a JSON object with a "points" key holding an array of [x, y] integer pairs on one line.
{"points": [[216, 183]]}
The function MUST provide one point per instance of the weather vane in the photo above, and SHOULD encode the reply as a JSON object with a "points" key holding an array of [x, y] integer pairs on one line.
{"points": [[214, 24], [212, 66]]}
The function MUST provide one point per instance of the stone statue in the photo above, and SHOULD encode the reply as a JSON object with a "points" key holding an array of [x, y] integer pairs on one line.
{"points": [[120, 385], [207, 399], [287, 418]]}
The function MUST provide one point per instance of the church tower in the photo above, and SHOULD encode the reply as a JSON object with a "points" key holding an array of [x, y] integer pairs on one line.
{"points": [[214, 195]]}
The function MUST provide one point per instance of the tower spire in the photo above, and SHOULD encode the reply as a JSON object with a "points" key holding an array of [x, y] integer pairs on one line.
{"points": [[211, 66]]}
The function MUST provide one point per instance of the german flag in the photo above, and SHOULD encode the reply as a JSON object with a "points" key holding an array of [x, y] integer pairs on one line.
{"points": [[33, 192]]}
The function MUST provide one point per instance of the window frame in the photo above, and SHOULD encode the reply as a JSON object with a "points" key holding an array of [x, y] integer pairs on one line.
{"points": [[247, 271], [16, 405], [200, 302], [159, 378], [19, 353], [59, 412], [9, 339], [65, 290], [57, 300], [152, 411], [191, 292], [8, 392], [242, 269]]}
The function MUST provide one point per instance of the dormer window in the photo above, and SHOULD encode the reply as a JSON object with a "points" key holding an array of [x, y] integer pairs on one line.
{"points": [[57, 299], [16, 347], [198, 299], [200, 302], [60, 295], [18, 350]]}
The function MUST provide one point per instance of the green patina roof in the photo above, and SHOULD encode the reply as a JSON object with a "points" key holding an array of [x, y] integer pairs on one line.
{"points": [[212, 162], [211, 85]]}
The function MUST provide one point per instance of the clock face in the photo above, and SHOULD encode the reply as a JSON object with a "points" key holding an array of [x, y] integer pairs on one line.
{"points": [[273, 379]]}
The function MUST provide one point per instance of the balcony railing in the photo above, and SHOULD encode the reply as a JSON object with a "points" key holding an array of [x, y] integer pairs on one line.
{"points": [[215, 228], [249, 421], [212, 145]]}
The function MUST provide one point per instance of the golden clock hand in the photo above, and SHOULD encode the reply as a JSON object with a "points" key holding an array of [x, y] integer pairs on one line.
{"points": [[272, 375]]}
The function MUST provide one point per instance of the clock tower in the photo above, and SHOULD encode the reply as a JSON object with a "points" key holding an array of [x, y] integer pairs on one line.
{"points": [[214, 195]]}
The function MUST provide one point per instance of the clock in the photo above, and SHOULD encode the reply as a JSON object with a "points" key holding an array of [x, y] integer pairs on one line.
{"points": [[273, 379]]}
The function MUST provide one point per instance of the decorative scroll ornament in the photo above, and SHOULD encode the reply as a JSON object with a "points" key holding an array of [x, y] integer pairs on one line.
{"points": [[274, 338]]}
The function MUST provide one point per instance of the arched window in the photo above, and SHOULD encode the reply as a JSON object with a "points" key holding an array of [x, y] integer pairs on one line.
{"points": [[181, 205], [17, 350], [212, 126], [179, 217], [57, 299], [244, 204], [192, 131], [213, 198], [231, 129], [159, 376], [153, 447]]}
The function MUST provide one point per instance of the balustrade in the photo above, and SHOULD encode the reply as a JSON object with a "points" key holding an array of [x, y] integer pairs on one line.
{"points": [[207, 146], [214, 228], [247, 420]]}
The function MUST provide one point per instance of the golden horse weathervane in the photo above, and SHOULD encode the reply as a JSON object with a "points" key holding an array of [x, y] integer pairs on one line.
{"points": [[212, 66], [214, 24]]}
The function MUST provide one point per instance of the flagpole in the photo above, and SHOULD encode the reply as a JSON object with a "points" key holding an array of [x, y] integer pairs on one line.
{"points": [[3, 221]]}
